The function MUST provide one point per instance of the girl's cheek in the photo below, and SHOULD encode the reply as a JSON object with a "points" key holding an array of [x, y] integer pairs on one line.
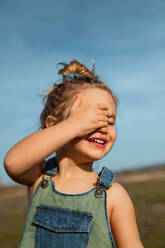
{"points": [[113, 134]]}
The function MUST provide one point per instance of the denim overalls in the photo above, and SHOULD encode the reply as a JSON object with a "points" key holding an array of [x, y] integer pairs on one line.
{"points": [[59, 220]]}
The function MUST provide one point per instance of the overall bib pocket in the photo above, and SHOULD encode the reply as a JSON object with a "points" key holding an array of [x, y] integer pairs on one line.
{"points": [[61, 227]]}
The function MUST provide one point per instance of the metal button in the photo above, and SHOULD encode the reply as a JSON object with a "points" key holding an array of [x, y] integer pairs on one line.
{"points": [[98, 192], [44, 183]]}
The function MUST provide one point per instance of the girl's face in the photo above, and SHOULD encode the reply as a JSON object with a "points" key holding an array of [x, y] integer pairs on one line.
{"points": [[80, 149]]}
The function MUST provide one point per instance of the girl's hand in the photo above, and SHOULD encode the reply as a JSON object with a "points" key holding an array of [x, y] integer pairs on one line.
{"points": [[87, 118]]}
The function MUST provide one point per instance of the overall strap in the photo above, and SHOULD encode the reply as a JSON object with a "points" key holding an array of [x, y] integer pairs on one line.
{"points": [[105, 178], [51, 167]]}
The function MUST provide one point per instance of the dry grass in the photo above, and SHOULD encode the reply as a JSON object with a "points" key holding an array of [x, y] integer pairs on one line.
{"points": [[146, 188], [12, 215]]}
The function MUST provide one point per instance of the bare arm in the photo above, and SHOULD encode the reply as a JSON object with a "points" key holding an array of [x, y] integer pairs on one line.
{"points": [[24, 160], [123, 220]]}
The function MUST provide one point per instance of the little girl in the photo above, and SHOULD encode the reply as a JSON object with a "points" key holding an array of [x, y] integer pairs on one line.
{"points": [[70, 205]]}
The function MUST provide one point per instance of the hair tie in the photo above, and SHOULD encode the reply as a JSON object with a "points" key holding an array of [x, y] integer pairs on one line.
{"points": [[71, 75]]}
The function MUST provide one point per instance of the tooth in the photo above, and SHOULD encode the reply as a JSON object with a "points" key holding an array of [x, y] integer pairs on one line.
{"points": [[99, 141]]}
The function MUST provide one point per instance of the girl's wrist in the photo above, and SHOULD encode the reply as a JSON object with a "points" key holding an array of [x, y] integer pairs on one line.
{"points": [[72, 127]]}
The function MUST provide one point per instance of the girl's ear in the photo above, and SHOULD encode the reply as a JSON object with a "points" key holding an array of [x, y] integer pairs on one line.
{"points": [[77, 101], [50, 121]]}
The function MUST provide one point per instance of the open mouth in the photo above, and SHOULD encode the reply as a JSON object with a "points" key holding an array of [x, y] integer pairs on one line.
{"points": [[97, 142]]}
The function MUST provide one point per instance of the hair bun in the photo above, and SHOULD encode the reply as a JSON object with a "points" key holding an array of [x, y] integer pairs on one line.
{"points": [[75, 68]]}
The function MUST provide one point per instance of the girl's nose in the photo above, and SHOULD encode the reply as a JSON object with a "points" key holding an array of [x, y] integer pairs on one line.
{"points": [[102, 129]]}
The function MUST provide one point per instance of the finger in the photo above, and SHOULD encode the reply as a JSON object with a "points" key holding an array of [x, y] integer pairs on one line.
{"points": [[101, 106], [103, 118], [102, 124], [103, 112], [77, 101]]}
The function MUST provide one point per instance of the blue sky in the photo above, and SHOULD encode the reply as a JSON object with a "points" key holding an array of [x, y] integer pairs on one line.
{"points": [[127, 41]]}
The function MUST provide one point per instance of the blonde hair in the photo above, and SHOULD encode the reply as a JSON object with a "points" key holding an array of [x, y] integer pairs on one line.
{"points": [[76, 77]]}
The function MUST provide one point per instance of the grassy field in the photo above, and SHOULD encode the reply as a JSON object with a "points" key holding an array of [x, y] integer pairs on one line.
{"points": [[145, 187], [149, 201]]}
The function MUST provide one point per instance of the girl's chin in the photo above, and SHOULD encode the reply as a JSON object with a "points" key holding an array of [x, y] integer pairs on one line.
{"points": [[96, 155]]}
